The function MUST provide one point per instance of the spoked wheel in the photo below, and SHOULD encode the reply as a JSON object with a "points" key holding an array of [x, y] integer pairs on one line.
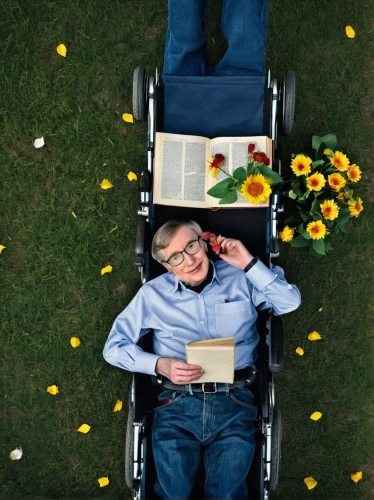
{"points": [[139, 93], [129, 456], [276, 438], [288, 98]]}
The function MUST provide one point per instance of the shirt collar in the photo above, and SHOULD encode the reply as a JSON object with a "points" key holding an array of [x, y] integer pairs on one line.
{"points": [[179, 285]]}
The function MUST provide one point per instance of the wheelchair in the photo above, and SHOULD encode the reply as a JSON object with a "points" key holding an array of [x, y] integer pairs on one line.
{"points": [[212, 107]]}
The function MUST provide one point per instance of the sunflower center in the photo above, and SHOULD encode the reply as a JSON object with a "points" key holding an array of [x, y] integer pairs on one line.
{"points": [[300, 167], [255, 189], [327, 210], [314, 182], [315, 230], [338, 163]]}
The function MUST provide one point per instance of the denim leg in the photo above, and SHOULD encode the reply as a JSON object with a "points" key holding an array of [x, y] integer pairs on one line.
{"points": [[244, 25], [185, 40]]}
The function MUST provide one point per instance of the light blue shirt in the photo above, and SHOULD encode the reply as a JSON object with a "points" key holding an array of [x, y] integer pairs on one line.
{"points": [[177, 315]]}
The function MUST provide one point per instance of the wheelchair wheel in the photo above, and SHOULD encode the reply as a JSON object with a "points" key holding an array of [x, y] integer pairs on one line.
{"points": [[139, 89], [289, 89], [276, 438], [129, 450]]}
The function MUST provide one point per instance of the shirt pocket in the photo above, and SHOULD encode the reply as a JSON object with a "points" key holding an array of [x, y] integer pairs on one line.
{"points": [[232, 316]]}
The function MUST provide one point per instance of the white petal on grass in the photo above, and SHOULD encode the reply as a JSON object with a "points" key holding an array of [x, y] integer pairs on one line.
{"points": [[39, 143], [16, 454]]}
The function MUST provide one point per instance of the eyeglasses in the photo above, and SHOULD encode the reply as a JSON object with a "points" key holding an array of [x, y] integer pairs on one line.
{"points": [[191, 249]]}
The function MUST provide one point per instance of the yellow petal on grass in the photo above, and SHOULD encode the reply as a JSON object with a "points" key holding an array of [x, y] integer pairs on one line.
{"points": [[350, 32], [103, 481], [113, 229], [2, 247], [106, 269], [316, 416], [127, 117], [132, 177], [357, 476], [53, 389], [310, 482], [314, 336], [75, 216], [61, 50], [320, 309], [106, 184], [84, 428], [75, 342], [118, 406], [300, 351]]}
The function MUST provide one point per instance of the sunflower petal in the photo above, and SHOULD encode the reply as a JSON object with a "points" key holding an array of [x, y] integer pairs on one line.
{"points": [[2, 247], [53, 389], [106, 269], [350, 32], [132, 177], [300, 351], [75, 342], [61, 50], [310, 482], [84, 428], [128, 117], [16, 454], [103, 481], [74, 215], [357, 476], [314, 336], [316, 416], [320, 309], [106, 184], [39, 143], [118, 406]]}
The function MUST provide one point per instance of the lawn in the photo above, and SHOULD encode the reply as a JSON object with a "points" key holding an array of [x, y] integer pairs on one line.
{"points": [[60, 229]]}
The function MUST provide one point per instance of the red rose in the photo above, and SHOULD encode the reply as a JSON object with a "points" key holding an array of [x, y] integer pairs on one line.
{"points": [[251, 148], [207, 235], [219, 157], [216, 248]]}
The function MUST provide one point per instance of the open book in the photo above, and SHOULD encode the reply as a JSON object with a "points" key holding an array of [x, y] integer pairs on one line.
{"points": [[215, 356], [181, 175]]}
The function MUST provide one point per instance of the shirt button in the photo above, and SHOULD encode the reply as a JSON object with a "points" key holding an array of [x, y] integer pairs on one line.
{"points": [[289, 287], [198, 297]]}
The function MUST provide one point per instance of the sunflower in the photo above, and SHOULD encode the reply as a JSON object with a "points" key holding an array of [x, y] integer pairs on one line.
{"points": [[354, 173], [301, 165], [340, 161], [355, 207], [287, 233], [315, 182], [316, 229], [329, 209], [255, 189], [336, 181]]}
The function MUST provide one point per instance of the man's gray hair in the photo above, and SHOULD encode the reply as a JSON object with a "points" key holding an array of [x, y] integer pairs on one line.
{"points": [[166, 233]]}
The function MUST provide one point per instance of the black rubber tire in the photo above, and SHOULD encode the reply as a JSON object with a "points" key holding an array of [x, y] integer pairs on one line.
{"points": [[139, 93], [276, 438], [289, 102], [129, 449]]}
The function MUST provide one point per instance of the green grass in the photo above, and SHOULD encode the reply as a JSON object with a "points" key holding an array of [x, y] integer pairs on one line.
{"points": [[51, 285]]}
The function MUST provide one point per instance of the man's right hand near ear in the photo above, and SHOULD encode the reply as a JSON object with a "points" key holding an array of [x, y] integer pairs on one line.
{"points": [[177, 371]]}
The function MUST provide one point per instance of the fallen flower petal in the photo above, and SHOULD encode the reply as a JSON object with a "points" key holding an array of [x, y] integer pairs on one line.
{"points": [[2, 247], [17, 454], [357, 476], [103, 481], [61, 50], [320, 309], [106, 184], [113, 229], [84, 428], [132, 177], [350, 32], [300, 351], [316, 416], [118, 406], [53, 389], [75, 342], [310, 482], [39, 143], [314, 336], [127, 117], [73, 214], [106, 269]]}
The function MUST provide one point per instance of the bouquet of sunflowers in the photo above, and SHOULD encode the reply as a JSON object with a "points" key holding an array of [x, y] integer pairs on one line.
{"points": [[255, 182], [323, 196]]}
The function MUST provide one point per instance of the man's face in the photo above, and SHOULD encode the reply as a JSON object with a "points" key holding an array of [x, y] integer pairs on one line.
{"points": [[194, 268]]}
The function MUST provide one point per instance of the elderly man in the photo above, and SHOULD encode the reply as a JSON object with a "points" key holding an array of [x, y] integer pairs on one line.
{"points": [[199, 299]]}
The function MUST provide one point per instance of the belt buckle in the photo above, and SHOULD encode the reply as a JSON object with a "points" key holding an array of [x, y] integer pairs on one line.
{"points": [[209, 392]]}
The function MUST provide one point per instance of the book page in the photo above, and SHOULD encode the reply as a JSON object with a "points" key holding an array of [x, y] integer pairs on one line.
{"points": [[180, 170], [218, 362], [222, 341]]}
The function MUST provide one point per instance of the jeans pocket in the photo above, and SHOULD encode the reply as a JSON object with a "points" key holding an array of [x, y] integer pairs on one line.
{"points": [[169, 398], [242, 396]]}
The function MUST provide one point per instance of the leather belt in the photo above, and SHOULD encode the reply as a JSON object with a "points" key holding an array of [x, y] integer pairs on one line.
{"points": [[242, 378]]}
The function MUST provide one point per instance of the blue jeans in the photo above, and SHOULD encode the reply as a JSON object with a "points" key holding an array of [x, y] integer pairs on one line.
{"points": [[244, 25], [220, 425]]}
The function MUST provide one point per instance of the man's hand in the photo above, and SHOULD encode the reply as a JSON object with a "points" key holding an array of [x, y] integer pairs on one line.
{"points": [[178, 371], [236, 253]]}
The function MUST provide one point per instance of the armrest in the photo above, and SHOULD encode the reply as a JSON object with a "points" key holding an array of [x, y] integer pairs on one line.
{"points": [[139, 244], [276, 344]]}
